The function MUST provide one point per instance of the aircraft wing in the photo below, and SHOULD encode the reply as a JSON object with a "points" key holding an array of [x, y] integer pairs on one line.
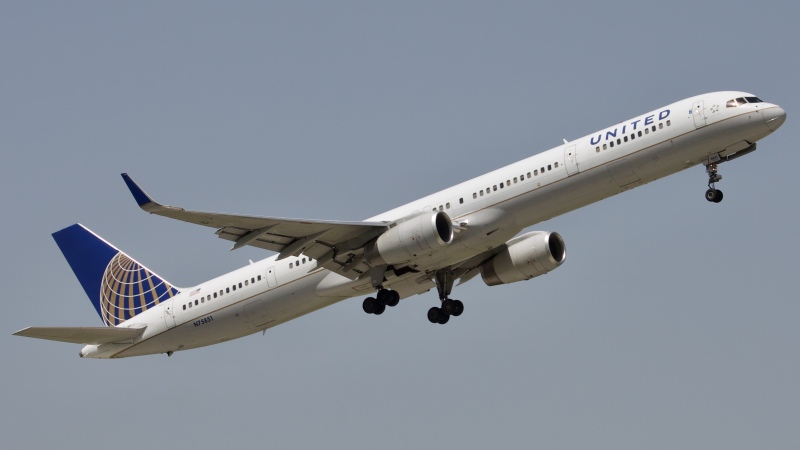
{"points": [[82, 335], [337, 246]]}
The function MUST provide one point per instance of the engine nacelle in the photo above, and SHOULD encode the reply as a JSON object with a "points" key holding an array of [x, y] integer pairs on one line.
{"points": [[525, 257], [418, 236]]}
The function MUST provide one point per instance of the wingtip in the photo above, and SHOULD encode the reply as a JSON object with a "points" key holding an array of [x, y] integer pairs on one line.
{"points": [[139, 195]]}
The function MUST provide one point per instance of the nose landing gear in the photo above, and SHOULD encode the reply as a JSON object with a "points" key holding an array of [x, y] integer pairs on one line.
{"points": [[713, 194]]}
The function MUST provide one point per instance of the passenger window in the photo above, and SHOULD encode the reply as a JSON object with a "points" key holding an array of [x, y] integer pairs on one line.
{"points": [[240, 285], [647, 131], [196, 302], [501, 185], [529, 174], [515, 180], [661, 126], [619, 141], [215, 295], [461, 200], [626, 138], [633, 136], [481, 192], [495, 187], [259, 278], [597, 149], [190, 304], [605, 146], [654, 128], [203, 300], [640, 133], [611, 144], [549, 167], [508, 182], [541, 170], [184, 307], [234, 287], [669, 122], [555, 165], [291, 265], [536, 172], [447, 205], [228, 290], [245, 282]]}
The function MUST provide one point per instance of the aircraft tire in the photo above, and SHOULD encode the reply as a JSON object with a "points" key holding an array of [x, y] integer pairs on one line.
{"points": [[458, 308], [394, 298], [370, 305], [448, 307], [434, 314]]}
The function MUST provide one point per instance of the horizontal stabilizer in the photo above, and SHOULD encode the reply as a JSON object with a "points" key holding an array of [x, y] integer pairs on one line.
{"points": [[82, 335]]}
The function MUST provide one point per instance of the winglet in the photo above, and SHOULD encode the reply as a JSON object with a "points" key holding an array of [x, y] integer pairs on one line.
{"points": [[139, 195]]}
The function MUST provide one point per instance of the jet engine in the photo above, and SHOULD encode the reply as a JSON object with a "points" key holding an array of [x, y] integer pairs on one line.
{"points": [[419, 235], [525, 257]]}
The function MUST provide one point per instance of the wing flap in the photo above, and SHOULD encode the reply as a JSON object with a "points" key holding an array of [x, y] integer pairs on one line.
{"points": [[82, 335]]}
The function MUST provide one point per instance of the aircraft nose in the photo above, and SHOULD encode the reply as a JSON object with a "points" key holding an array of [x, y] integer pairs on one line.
{"points": [[774, 117]]}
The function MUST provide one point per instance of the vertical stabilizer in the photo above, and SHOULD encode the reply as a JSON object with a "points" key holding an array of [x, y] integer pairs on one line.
{"points": [[118, 286]]}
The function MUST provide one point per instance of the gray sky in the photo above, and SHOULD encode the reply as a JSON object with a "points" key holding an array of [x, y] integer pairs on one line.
{"points": [[673, 323]]}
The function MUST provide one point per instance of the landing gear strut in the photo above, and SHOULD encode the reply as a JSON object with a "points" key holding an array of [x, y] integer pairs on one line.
{"points": [[444, 285], [713, 194]]}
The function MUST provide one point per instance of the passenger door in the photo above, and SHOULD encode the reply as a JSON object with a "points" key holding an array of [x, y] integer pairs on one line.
{"points": [[169, 313], [699, 114], [571, 159], [272, 280]]}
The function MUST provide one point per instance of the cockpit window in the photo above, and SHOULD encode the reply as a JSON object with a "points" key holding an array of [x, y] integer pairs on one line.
{"points": [[742, 100], [736, 102]]}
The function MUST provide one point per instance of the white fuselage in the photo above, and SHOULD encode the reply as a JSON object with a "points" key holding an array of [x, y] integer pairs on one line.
{"points": [[500, 203]]}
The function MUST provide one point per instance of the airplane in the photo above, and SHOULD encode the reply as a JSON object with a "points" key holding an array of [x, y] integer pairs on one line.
{"points": [[452, 235]]}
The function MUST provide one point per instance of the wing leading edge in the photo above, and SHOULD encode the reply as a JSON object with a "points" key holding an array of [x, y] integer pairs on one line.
{"points": [[336, 246]]}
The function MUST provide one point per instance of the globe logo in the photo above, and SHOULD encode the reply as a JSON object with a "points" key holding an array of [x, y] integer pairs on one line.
{"points": [[128, 288]]}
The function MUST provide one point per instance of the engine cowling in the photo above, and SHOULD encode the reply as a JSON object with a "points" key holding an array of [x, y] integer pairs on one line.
{"points": [[525, 257], [418, 236]]}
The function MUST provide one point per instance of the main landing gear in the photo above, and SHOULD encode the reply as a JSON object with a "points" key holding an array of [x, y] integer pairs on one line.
{"points": [[385, 297], [438, 314], [713, 194], [444, 284]]}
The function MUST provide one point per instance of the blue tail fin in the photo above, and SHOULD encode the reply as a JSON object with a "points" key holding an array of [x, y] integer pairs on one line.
{"points": [[118, 286]]}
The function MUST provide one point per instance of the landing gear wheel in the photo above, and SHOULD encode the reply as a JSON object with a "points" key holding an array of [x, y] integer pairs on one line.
{"points": [[444, 319], [435, 314], [714, 195], [458, 308], [394, 298], [388, 297], [448, 307], [370, 305], [379, 309]]}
